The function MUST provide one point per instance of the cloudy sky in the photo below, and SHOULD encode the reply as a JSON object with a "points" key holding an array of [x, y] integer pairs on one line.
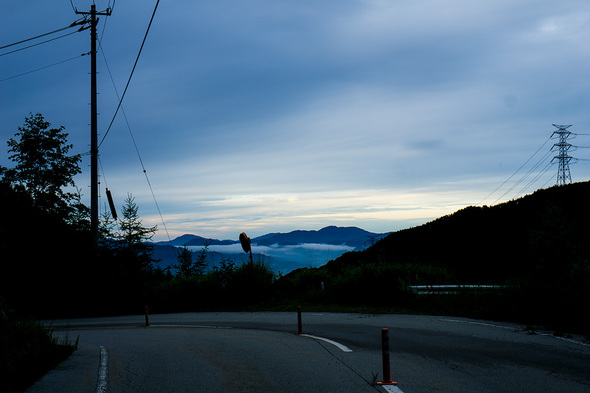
{"points": [[270, 116]]}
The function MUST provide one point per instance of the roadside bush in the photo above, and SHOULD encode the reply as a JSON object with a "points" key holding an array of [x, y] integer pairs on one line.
{"points": [[28, 352], [251, 283], [304, 284], [225, 287], [373, 285]]}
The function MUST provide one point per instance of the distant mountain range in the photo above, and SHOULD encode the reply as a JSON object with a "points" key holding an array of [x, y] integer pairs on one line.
{"points": [[283, 251], [349, 236]]}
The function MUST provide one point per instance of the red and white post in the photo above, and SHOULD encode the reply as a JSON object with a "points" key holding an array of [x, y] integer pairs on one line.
{"points": [[385, 353]]}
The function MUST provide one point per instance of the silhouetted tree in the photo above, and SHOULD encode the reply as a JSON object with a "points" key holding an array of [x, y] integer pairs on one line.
{"points": [[190, 266], [131, 229], [107, 226], [200, 263], [132, 236], [43, 166], [79, 216], [185, 262]]}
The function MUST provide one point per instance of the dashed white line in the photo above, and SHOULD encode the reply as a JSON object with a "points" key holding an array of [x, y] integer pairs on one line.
{"points": [[101, 384], [343, 348]]}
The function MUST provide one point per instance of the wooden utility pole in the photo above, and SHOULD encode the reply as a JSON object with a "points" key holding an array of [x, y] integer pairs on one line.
{"points": [[93, 122]]}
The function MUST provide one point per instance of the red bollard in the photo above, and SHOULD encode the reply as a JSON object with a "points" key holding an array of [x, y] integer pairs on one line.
{"points": [[385, 352], [299, 325], [147, 317]]}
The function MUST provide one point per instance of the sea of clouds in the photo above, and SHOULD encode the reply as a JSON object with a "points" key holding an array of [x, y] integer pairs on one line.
{"points": [[300, 255]]}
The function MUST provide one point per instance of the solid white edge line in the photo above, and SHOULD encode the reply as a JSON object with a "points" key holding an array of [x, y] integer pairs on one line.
{"points": [[101, 384], [343, 348], [569, 340]]}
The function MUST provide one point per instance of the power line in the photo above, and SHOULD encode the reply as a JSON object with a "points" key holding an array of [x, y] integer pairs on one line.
{"points": [[511, 176], [104, 26], [76, 23], [131, 75], [42, 68], [39, 43], [564, 160], [537, 177], [134, 143], [524, 176]]}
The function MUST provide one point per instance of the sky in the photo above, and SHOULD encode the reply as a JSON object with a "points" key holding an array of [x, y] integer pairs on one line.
{"points": [[272, 116]]}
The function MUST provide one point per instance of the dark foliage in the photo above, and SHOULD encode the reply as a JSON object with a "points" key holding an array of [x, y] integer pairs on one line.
{"points": [[43, 166], [28, 352], [543, 234], [45, 261], [227, 287]]}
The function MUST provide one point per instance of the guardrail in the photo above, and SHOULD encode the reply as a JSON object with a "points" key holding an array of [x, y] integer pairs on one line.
{"points": [[447, 289]]}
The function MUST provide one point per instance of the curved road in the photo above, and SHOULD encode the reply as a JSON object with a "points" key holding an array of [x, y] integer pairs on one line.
{"points": [[260, 352]]}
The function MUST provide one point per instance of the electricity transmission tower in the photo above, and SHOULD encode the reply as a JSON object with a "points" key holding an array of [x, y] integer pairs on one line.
{"points": [[563, 170], [93, 122]]}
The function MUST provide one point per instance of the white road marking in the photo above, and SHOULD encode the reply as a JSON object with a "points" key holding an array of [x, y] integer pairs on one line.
{"points": [[569, 340], [343, 348], [391, 389], [193, 326], [101, 384], [477, 323]]}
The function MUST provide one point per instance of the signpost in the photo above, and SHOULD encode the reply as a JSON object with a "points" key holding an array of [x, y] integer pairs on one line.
{"points": [[245, 240]]}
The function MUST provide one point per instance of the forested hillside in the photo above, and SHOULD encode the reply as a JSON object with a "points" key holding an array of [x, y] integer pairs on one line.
{"points": [[543, 235], [534, 249]]}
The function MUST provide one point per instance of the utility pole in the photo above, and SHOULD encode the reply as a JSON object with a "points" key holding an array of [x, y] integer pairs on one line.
{"points": [[563, 171], [93, 122]]}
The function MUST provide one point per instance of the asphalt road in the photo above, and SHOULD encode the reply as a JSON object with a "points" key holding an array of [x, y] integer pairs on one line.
{"points": [[260, 352]]}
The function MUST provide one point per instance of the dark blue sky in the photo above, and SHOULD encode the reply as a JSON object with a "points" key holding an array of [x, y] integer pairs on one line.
{"points": [[269, 116]]}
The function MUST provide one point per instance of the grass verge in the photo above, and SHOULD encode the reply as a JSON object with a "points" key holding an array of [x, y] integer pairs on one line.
{"points": [[28, 351]]}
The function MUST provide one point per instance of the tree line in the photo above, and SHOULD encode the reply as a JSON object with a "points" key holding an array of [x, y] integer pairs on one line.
{"points": [[45, 242], [49, 269]]}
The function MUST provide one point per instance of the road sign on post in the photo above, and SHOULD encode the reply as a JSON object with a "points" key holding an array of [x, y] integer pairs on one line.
{"points": [[246, 246]]}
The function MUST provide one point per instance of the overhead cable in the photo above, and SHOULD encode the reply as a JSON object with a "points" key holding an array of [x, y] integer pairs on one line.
{"points": [[39, 43], [42, 68], [524, 176], [134, 143], [76, 23], [537, 177], [104, 26], [131, 75], [511, 176]]}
